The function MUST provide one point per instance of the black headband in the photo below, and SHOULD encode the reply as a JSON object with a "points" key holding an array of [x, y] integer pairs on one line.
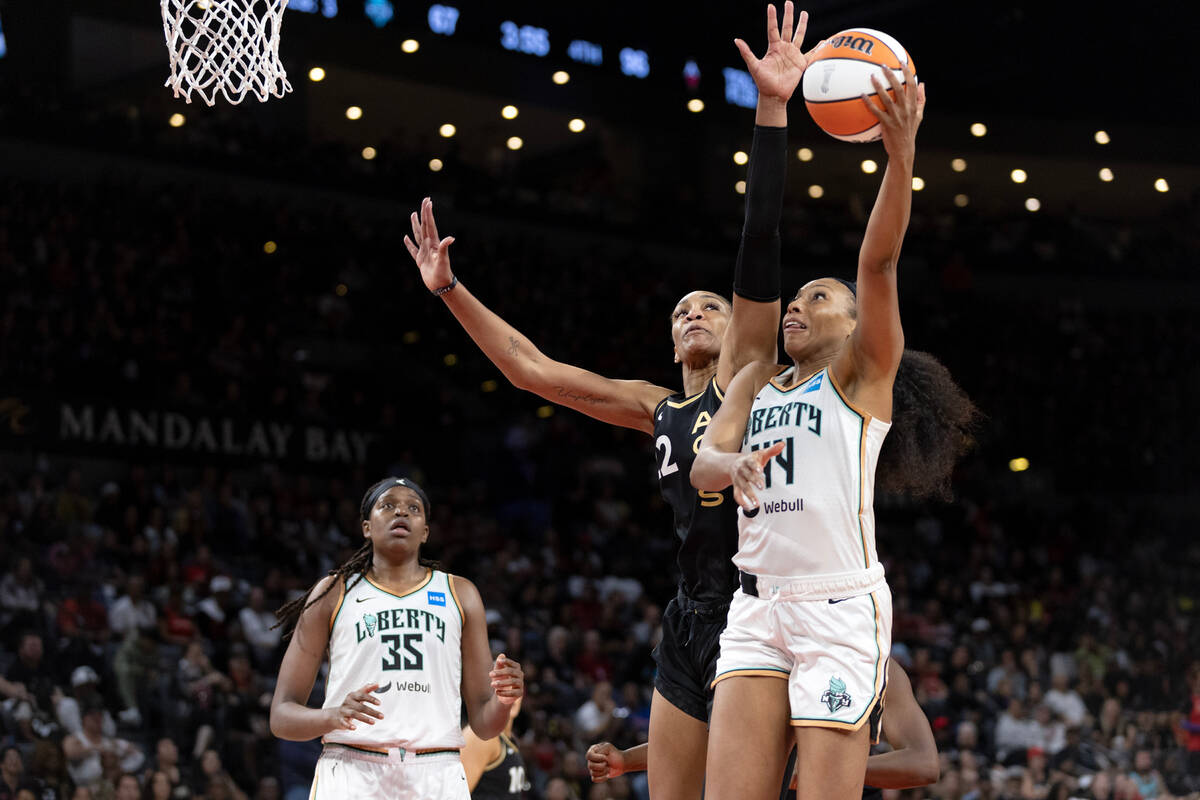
{"points": [[851, 285], [377, 491]]}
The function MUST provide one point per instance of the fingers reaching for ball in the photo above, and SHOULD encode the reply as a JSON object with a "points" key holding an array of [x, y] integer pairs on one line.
{"points": [[898, 108]]}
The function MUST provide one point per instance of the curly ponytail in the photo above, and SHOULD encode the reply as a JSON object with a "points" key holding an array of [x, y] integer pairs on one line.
{"points": [[932, 425]]}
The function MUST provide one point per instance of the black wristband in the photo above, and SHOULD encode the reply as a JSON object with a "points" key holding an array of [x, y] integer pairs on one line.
{"points": [[757, 272], [439, 292]]}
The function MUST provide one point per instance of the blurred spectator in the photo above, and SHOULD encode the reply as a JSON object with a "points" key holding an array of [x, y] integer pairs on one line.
{"points": [[258, 627], [87, 750], [12, 773], [31, 684], [132, 609], [20, 595], [1065, 701], [85, 690]]}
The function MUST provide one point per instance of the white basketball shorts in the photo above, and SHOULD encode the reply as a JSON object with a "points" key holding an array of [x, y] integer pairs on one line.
{"points": [[832, 650], [344, 772]]}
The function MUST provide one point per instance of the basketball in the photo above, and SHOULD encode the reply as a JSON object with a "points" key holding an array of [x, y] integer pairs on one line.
{"points": [[840, 73]]}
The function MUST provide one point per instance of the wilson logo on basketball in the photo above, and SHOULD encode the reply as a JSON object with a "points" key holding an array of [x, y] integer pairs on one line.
{"points": [[859, 43]]}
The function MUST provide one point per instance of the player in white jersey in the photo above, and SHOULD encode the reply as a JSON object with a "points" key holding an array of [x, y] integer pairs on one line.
{"points": [[800, 448], [407, 646]]}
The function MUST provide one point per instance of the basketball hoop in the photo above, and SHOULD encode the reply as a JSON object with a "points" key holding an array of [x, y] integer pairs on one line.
{"points": [[227, 47]]}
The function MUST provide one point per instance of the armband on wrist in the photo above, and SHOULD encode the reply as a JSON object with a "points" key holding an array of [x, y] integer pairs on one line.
{"points": [[439, 292]]}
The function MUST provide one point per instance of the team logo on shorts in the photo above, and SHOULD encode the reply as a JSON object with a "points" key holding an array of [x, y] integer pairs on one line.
{"points": [[370, 621], [836, 696]]}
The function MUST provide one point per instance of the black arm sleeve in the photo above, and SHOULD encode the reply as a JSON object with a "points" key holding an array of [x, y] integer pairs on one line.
{"points": [[757, 274]]}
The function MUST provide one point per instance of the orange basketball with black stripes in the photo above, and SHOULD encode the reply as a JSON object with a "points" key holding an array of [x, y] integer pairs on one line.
{"points": [[839, 74]]}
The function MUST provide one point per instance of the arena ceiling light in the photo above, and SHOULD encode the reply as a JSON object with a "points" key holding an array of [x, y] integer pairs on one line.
{"points": [[1102, 137], [740, 158], [316, 74], [447, 130], [978, 129], [1106, 174], [1161, 185], [816, 191], [560, 77], [961, 200], [804, 154], [435, 165], [740, 187], [515, 143], [177, 120], [410, 45], [958, 164], [509, 112], [1018, 176], [354, 112], [918, 183], [1032, 204], [868, 166], [369, 153], [695, 105], [576, 125]]}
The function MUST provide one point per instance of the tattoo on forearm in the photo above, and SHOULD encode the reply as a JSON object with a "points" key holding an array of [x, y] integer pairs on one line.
{"points": [[570, 394], [514, 346]]}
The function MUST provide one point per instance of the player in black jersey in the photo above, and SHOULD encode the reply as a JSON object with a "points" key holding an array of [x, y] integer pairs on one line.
{"points": [[910, 761], [713, 339], [494, 767]]}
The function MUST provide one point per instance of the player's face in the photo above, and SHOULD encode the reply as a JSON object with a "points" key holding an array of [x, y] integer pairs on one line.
{"points": [[698, 326], [819, 318], [397, 520]]}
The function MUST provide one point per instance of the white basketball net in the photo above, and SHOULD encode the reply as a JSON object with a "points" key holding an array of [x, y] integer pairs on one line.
{"points": [[228, 47]]}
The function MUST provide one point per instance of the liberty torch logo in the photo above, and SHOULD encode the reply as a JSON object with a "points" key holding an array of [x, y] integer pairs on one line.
{"points": [[835, 696], [370, 621]]}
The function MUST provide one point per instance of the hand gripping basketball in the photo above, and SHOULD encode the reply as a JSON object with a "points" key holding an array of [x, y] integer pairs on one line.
{"points": [[898, 118], [605, 761], [355, 707], [778, 72], [431, 252], [508, 681], [747, 475]]}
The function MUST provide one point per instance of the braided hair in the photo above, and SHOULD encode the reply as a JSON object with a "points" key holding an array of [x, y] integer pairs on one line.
{"points": [[357, 566]]}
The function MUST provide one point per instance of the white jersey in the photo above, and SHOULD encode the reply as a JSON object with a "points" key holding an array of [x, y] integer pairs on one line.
{"points": [[815, 516], [411, 645]]}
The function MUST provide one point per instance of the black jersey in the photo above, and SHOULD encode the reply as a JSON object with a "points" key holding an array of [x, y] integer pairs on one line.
{"points": [[705, 522], [504, 778]]}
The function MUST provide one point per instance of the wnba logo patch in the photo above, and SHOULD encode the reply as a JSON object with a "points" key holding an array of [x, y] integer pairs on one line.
{"points": [[436, 598], [835, 696], [814, 384]]}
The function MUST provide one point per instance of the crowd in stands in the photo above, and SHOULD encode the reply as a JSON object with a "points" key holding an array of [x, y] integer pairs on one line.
{"points": [[1046, 618]]}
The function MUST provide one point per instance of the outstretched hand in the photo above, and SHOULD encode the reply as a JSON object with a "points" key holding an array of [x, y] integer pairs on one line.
{"points": [[778, 72], [898, 118], [431, 252], [747, 475]]}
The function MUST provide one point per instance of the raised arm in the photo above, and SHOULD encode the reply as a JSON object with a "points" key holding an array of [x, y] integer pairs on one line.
{"points": [[488, 688], [754, 325], [720, 461], [629, 404], [913, 760], [291, 717], [877, 343]]}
